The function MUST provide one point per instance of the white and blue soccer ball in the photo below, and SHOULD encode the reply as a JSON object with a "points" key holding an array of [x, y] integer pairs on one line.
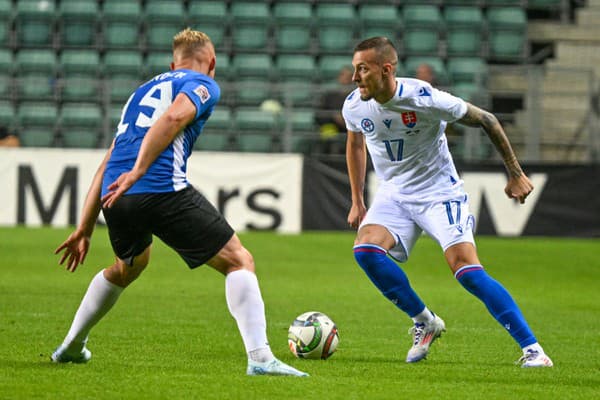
{"points": [[313, 335]]}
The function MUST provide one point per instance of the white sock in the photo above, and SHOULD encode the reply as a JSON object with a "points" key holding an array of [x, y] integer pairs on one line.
{"points": [[246, 305], [98, 300], [424, 317]]}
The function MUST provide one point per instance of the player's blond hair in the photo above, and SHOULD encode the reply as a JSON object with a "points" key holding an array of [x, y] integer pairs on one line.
{"points": [[186, 42]]}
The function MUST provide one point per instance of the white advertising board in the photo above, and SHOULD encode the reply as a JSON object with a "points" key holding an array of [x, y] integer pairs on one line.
{"points": [[253, 191]]}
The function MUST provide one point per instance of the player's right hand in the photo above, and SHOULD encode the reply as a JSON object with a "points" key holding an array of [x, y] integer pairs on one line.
{"points": [[356, 215], [76, 248]]}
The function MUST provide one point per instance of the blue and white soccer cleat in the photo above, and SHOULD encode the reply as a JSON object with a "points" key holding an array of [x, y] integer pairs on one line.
{"points": [[423, 336], [61, 355], [535, 359], [273, 367]]}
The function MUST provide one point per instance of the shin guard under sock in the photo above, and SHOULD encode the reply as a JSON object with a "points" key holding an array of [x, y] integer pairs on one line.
{"points": [[498, 302], [388, 277]]}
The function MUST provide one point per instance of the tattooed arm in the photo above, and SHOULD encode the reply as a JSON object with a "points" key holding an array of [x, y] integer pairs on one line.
{"points": [[519, 186]]}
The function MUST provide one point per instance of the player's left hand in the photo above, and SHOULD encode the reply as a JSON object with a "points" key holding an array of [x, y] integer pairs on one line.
{"points": [[518, 188], [118, 188]]}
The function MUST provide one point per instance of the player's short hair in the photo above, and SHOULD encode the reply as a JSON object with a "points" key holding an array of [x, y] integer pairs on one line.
{"points": [[186, 42], [384, 48]]}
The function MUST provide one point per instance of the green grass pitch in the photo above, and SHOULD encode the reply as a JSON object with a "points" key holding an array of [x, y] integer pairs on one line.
{"points": [[170, 336]]}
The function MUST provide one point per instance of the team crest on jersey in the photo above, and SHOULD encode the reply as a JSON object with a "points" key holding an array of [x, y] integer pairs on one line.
{"points": [[367, 125], [409, 118], [203, 93]]}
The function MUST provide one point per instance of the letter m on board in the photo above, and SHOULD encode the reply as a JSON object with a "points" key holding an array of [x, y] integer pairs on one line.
{"points": [[26, 180]]}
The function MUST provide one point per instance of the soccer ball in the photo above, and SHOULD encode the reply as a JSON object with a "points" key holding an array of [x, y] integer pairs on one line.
{"points": [[313, 335]]}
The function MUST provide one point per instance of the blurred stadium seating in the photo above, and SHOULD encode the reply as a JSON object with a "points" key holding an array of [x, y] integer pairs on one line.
{"points": [[67, 65]]}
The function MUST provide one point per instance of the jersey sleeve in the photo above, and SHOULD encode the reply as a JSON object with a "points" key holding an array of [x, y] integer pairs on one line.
{"points": [[203, 92], [447, 107], [346, 112]]}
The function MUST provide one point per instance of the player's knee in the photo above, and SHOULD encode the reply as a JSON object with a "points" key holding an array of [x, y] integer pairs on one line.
{"points": [[232, 258], [246, 260], [460, 255], [141, 260], [114, 275], [376, 235], [122, 274]]}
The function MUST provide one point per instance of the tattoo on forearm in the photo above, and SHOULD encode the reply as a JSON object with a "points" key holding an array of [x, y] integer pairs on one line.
{"points": [[471, 118], [477, 117]]}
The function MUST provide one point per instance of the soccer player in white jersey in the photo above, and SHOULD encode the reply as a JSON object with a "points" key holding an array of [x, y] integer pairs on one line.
{"points": [[401, 121], [142, 190]]}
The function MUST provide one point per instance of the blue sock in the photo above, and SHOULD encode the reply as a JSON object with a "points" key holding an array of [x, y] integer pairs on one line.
{"points": [[388, 277], [498, 302]]}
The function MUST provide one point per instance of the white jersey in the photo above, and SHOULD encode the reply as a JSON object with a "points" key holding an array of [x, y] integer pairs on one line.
{"points": [[405, 137]]}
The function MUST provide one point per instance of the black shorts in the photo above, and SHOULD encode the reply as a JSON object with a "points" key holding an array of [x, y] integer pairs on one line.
{"points": [[183, 220]]}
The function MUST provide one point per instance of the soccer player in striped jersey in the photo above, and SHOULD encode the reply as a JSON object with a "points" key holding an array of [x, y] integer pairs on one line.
{"points": [[401, 122], [142, 189]]}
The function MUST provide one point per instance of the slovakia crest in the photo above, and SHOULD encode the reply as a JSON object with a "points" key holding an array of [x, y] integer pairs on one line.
{"points": [[409, 118], [367, 125]]}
